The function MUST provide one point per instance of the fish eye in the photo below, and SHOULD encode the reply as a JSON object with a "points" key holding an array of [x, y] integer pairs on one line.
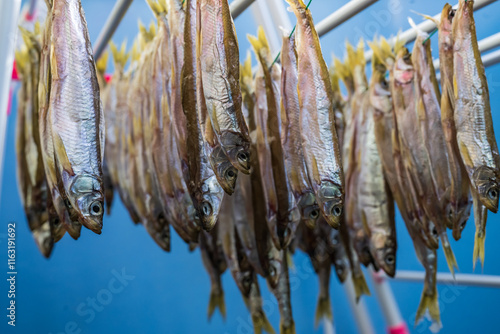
{"points": [[96, 208], [450, 214], [231, 174], [247, 281], [337, 210], [434, 231], [243, 156], [462, 226], [272, 271], [384, 84], [493, 193], [340, 268], [407, 57], [314, 214], [206, 209], [390, 259]]}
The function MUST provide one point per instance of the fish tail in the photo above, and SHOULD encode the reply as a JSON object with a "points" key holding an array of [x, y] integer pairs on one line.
{"points": [[287, 328], [259, 43], [360, 286], [158, 7], [261, 323], [216, 301], [427, 17], [478, 252], [449, 255], [323, 310], [429, 304]]}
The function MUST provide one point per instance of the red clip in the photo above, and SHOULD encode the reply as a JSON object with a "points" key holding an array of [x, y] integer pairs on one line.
{"points": [[29, 17], [378, 278], [399, 329], [15, 75], [108, 77]]}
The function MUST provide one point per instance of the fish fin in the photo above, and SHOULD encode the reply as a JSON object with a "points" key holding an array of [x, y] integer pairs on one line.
{"points": [[209, 131], [449, 255], [323, 310], [480, 236], [215, 123], [289, 261], [455, 87], [451, 94], [464, 152], [287, 329], [360, 286], [261, 323], [364, 221], [436, 21], [62, 156], [102, 62], [316, 176], [216, 301], [429, 305], [158, 7]]}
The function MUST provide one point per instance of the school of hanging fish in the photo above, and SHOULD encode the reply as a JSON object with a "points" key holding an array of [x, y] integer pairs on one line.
{"points": [[249, 166]]}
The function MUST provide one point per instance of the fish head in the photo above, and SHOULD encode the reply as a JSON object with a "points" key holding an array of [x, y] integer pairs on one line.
{"points": [[237, 149], [461, 217], [329, 197], [286, 232], [210, 203], [44, 239], [310, 211], [429, 233], [86, 192], [244, 280], [274, 272], [487, 187], [403, 68], [380, 94], [225, 172], [445, 26], [384, 251], [340, 260]]}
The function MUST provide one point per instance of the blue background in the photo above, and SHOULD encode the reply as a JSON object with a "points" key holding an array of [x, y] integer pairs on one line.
{"points": [[169, 292]]}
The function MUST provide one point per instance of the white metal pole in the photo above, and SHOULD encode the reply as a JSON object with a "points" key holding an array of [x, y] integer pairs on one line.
{"points": [[9, 13], [114, 19], [491, 58], [341, 15], [361, 315], [428, 26], [239, 6], [484, 45], [263, 17], [388, 304], [486, 281], [279, 14]]}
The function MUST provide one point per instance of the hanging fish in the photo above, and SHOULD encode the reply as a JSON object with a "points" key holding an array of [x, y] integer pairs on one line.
{"points": [[317, 123], [472, 115], [219, 72], [291, 139]]}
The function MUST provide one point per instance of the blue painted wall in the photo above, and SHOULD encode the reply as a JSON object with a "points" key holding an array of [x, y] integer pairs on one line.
{"points": [[137, 288]]}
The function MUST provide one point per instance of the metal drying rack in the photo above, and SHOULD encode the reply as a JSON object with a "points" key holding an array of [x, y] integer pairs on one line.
{"points": [[271, 14]]}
